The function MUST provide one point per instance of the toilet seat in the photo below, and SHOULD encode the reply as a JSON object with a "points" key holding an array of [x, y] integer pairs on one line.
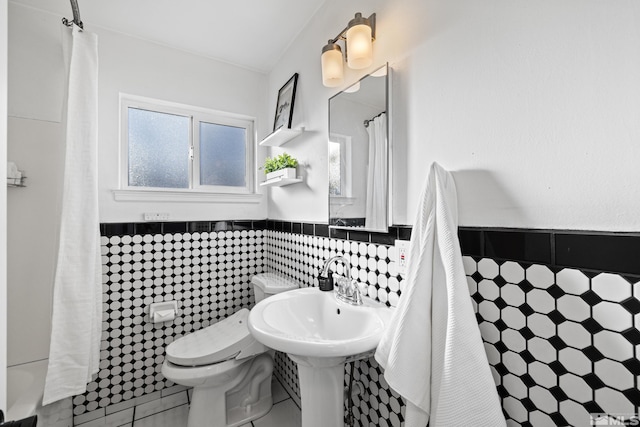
{"points": [[229, 370], [222, 341]]}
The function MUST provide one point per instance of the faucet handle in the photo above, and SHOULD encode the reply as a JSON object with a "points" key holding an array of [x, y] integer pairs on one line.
{"points": [[357, 295], [355, 291], [325, 283], [348, 291], [343, 285]]}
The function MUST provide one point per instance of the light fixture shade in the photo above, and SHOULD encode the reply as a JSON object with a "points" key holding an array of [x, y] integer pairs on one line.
{"points": [[332, 65], [359, 43]]}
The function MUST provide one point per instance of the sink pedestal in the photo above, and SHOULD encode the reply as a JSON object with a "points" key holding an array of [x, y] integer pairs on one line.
{"points": [[322, 390], [319, 333]]}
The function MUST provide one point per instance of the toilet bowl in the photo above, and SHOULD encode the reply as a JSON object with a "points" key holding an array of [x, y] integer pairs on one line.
{"points": [[229, 370]]}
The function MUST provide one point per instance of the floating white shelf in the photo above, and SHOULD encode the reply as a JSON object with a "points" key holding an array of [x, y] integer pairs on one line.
{"points": [[280, 136], [16, 182], [279, 182]]}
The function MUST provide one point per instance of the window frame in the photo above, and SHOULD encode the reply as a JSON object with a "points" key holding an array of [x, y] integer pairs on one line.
{"points": [[346, 168], [196, 115]]}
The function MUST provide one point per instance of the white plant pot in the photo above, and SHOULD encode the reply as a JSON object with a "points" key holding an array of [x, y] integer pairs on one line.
{"points": [[282, 173]]}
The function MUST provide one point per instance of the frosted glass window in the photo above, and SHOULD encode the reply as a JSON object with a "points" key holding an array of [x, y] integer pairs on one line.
{"points": [[158, 149], [184, 149], [223, 155], [335, 167], [340, 169]]}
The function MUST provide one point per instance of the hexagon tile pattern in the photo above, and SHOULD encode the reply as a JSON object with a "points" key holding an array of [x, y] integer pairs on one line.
{"points": [[562, 343], [208, 274], [301, 257]]}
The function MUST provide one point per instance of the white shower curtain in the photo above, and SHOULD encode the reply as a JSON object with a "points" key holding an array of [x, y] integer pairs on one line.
{"points": [[376, 208], [77, 292]]}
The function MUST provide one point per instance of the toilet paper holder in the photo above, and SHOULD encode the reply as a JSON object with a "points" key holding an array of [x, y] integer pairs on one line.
{"points": [[165, 311]]}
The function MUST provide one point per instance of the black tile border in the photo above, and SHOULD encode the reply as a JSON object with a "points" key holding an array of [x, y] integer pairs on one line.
{"points": [[296, 227], [611, 252], [131, 228], [323, 230], [517, 245], [614, 252]]}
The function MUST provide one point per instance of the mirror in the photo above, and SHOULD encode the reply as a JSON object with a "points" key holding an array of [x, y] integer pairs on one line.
{"points": [[359, 155]]}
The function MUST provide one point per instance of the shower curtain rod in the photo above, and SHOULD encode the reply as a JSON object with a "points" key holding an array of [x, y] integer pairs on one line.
{"points": [[366, 122], [76, 16]]}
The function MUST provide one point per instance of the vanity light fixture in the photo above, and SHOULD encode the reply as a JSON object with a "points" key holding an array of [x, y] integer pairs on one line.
{"points": [[358, 36]]}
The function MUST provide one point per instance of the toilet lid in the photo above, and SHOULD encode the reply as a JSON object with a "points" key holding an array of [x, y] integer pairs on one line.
{"points": [[215, 343], [272, 283]]}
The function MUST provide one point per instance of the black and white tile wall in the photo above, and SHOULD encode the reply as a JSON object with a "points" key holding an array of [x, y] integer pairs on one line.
{"points": [[559, 312], [207, 273], [562, 342], [301, 257]]}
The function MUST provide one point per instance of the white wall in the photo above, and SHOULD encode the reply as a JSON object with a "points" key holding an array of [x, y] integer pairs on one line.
{"points": [[135, 67], [3, 206], [36, 77], [533, 105]]}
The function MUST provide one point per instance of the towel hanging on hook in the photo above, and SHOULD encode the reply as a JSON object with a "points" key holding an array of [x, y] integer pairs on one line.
{"points": [[76, 16]]}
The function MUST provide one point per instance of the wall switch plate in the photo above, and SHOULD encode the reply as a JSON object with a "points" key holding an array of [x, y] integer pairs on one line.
{"points": [[402, 249], [152, 216]]}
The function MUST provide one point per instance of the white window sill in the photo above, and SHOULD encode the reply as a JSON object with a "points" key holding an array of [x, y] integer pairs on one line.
{"points": [[131, 195], [341, 201]]}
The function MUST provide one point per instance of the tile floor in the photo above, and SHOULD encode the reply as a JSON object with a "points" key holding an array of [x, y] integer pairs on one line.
{"points": [[285, 413]]}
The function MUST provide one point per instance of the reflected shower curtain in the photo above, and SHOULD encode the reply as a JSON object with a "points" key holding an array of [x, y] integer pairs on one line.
{"points": [[376, 209], [77, 292]]}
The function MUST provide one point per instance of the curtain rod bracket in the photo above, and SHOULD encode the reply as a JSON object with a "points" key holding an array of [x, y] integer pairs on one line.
{"points": [[76, 16]]}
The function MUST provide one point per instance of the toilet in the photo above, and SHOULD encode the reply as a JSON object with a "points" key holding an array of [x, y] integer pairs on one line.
{"points": [[229, 370]]}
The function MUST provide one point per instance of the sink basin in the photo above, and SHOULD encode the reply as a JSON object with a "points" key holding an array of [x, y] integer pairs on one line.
{"points": [[319, 333], [309, 322]]}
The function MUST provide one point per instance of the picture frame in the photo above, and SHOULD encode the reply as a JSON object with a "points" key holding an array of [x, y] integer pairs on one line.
{"points": [[284, 106]]}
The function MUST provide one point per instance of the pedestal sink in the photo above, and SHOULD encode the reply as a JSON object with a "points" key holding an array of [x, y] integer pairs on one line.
{"points": [[319, 333]]}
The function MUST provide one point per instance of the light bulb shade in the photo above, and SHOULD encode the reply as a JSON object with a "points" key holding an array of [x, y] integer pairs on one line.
{"points": [[359, 44], [332, 65]]}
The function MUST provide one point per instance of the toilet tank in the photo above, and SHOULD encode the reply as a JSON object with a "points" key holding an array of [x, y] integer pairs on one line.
{"points": [[267, 284]]}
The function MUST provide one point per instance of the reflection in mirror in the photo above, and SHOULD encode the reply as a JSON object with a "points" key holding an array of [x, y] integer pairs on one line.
{"points": [[359, 155]]}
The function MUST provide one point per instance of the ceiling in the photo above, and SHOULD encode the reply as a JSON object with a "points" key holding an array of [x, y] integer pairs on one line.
{"points": [[250, 33]]}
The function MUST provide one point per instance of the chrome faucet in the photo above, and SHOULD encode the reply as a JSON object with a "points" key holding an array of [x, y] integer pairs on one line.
{"points": [[346, 289], [343, 260]]}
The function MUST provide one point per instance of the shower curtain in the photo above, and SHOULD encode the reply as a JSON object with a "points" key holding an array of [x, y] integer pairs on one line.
{"points": [[77, 291], [376, 208]]}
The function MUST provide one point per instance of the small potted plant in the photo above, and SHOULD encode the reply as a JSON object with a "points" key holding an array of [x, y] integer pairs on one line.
{"points": [[282, 166]]}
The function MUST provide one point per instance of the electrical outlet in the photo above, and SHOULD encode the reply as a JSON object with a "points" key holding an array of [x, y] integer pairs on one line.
{"points": [[152, 216], [402, 249]]}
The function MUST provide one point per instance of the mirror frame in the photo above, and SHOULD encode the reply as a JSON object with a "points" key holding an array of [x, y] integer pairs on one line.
{"points": [[389, 145]]}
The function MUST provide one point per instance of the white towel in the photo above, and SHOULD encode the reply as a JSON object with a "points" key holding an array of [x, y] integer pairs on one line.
{"points": [[77, 296], [433, 353]]}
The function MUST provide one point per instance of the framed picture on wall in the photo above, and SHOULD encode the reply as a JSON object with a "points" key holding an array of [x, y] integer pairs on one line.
{"points": [[284, 106]]}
